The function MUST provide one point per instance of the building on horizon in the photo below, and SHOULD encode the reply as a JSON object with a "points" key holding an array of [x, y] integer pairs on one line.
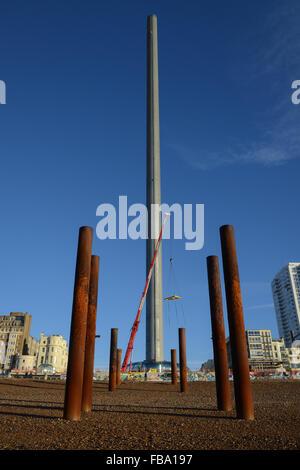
{"points": [[2, 354], [286, 295], [208, 365], [294, 355], [27, 361], [53, 350], [33, 346], [14, 333], [22, 352], [265, 352]]}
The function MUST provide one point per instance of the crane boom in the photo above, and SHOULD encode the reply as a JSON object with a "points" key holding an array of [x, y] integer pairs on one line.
{"points": [[137, 319]]}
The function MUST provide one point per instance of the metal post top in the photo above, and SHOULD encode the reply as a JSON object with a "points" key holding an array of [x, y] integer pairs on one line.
{"points": [[226, 227], [212, 258]]}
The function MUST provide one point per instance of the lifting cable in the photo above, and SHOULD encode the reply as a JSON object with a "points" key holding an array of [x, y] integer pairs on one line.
{"points": [[173, 284]]}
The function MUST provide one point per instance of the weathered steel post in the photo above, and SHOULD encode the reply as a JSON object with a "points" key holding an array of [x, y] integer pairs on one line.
{"points": [[182, 360], [73, 390], [119, 364], [240, 365], [174, 366], [218, 334], [112, 384], [87, 388]]}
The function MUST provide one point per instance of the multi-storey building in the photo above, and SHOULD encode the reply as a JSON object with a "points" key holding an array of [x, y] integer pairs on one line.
{"points": [[286, 295], [14, 332], [264, 352], [260, 350], [294, 355], [2, 354], [25, 363], [28, 360], [33, 346], [280, 352], [53, 350]]}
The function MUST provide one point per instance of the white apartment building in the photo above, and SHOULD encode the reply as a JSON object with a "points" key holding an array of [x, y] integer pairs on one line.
{"points": [[294, 355], [53, 350], [286, 295], [280, 352]]}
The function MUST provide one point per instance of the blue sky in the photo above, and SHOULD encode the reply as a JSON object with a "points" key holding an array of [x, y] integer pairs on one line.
{"points": [[72, 136]]}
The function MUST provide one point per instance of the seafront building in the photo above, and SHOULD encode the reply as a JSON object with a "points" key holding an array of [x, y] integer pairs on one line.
{"points": [[265, 353], [14, 333], [22, 352], [294, 355], [28, 360], [2, 353], [53, 350], [286, 295]]}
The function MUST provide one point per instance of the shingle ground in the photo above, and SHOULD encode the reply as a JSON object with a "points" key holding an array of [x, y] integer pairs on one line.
{"points": [[148, 416]]}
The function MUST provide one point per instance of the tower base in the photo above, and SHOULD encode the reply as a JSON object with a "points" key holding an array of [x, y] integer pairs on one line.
{"points": [[143, 366]]}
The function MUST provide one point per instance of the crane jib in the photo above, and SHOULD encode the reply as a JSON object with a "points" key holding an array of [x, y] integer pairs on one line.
{"points": [[137, 321]]}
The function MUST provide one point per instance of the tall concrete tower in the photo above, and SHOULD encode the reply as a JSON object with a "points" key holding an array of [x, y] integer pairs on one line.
{"points": [[154, 305]]}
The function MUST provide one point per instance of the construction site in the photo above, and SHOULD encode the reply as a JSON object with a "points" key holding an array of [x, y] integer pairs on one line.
{"points": [[156, 402], [79, 380]]}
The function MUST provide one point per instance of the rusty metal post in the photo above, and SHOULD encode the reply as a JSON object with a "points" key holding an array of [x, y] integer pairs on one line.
{"points": [[119, 364], [238, 345], [182, 360], [87, 388], [73, 390], [112, 384], [218, 334], [174, 366]]}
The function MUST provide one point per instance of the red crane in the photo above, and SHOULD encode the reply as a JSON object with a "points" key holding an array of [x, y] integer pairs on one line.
{"points": [[137, 320]]}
